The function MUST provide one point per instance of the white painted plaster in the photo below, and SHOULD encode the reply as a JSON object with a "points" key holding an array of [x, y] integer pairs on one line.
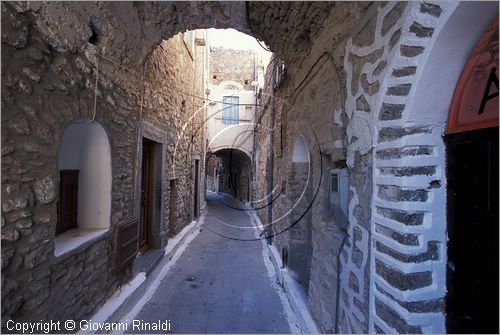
{"points": [[300, 151], [72, 239], [220, 135], [438, 69], [445, 57], [85, 147]]}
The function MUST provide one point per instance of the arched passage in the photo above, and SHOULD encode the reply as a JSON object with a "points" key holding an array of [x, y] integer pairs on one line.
{"points": [[233, 172]]}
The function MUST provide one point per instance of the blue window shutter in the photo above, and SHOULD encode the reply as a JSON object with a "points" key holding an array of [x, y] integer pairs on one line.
{"points": [[230, 110], [236, 115]]}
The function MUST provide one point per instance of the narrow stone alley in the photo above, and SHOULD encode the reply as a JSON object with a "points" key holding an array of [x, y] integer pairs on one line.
{"points": [[220, 284], [349, 150]]}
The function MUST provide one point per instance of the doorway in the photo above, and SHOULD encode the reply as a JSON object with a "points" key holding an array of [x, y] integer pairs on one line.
{"points": [[472, 268], [196, 209], [147, 195]]}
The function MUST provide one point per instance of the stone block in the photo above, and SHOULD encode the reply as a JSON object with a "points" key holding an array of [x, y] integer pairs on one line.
{"points": [[7, 252], [411, 51], [394, 320], [403, 281], [405, 152], [35, 257], [421, 31], [394, 39], [10, 235], [393, 133], [391, 111], [409, 171], [425, 306], [406, 217], [44, 190], [406, 239], [24, 223], [432, 253], [432, 9], [17, 215], [392, 17], [41, 216], [399, 90], [369, 88], [14, 28], [380, 67], [357, 256], [353, 282], [13, 198], [398, 194], [404, 71], [20, 127]]}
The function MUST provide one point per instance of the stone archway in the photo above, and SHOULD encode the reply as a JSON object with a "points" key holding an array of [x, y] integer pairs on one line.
{"points": [[235, 173], [409, 206]]}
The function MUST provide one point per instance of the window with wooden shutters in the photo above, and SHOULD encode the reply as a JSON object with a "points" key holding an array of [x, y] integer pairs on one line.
{"points": [[230, 110], [68, 201]]}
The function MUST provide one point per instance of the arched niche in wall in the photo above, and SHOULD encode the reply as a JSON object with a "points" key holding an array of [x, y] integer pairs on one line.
{"points": [[84, 206], [299, 192], [300, 152]]}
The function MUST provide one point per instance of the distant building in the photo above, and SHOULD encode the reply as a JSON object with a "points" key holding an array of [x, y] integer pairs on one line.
{"points": [[233, 83]]}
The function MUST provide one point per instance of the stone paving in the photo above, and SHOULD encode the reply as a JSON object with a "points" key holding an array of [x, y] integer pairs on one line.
{"points": [[219, 285]]}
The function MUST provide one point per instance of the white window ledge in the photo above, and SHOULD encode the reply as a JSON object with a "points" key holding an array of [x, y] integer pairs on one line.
{"points": [[72, 239]]}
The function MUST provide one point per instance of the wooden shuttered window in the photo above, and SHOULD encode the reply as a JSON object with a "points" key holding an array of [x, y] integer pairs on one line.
{"points": [[127, 239], [67, 207]]}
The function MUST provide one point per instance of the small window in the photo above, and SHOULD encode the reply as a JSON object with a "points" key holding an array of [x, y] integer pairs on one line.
{"points": [[230, 110], [334, 182]]}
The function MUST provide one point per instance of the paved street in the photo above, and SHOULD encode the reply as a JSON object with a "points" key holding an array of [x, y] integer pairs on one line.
{"points": [[219, 285]]}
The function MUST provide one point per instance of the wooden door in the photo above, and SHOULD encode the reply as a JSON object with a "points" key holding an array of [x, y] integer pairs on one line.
{"points": [[196, 187], [146, 195], [472, 267]]}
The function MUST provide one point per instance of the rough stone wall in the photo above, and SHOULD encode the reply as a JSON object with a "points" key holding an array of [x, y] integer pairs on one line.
{"points": [[234, 65], [212, 175], [310, 102], [174, 97], [48, 81]]}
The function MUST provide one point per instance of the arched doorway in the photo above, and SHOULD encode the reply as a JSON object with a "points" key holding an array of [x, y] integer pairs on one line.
{"points": [[472, 192]]}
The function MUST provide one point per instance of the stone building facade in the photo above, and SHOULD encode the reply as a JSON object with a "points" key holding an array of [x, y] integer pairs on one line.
{"points": [[362, 100], [79, 103], [361, 89]]}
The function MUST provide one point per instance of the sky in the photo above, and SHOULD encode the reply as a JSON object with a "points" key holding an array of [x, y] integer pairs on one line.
{"points": [[233, 39]]}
